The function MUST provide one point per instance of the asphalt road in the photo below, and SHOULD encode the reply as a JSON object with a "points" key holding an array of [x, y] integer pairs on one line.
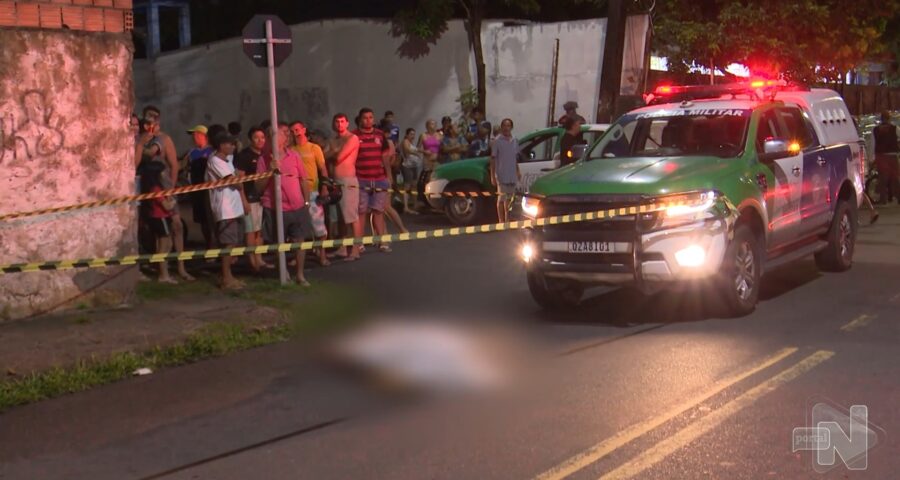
{"points": [[624, 387]]}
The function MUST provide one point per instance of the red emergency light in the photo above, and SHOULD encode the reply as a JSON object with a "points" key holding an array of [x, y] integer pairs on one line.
{"points": [[664, 90], [757, 88]]}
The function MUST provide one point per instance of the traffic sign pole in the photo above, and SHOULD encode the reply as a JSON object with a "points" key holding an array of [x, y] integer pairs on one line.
{"points": [[261, 31], [276, 154]]}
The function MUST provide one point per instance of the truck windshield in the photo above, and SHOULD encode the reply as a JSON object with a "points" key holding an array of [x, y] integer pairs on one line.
{"points": [[697, 132]]}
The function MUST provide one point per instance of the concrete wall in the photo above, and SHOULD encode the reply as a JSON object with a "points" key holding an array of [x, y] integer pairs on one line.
{"points": [[343, 65], [65, 99]]}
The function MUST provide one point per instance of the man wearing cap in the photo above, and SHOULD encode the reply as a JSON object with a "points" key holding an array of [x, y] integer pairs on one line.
{"points": [[570, 108], [196, 160]]}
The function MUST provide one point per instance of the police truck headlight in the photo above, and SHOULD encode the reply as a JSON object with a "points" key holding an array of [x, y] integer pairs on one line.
{"points": [[688, 208], [692, 256], [531, 206], [527, 252]]}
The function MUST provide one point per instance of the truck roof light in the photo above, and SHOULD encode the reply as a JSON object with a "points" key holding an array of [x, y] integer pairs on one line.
{"points": [[758, 88]]}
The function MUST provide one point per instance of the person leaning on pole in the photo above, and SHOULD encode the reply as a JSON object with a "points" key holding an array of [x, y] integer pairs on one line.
{"points": [[294, 197]]}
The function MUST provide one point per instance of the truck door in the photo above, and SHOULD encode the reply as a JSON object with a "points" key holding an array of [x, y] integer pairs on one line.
{"points": [[815, 201], [536, 158], [782, 183]]}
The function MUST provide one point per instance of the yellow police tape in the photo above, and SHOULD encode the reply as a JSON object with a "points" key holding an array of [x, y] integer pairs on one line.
{"points": [[368, 240], [434, 194], [144, 196]]}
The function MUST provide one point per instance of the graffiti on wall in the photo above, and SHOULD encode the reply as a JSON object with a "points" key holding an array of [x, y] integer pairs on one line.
{"points": [[32, 132]]}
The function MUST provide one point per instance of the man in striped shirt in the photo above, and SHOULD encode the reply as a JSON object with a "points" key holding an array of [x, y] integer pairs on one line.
{"points": [[373, 169]]}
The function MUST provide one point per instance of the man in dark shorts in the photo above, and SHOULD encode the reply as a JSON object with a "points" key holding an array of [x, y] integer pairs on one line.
{"points": [[294, 195], [154, 145], [227, 203], [196, 160]]}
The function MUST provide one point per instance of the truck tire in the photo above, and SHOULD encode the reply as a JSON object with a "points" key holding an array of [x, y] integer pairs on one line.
{"points": [[463, 211], [739, 279], [841, 238], [553, 294]]}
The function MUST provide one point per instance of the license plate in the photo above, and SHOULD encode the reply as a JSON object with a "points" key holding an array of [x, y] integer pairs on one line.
{"points": [[591, 247]]}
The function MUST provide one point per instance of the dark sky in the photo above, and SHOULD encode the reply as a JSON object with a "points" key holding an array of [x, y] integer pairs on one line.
{"points": [[219, 19]]}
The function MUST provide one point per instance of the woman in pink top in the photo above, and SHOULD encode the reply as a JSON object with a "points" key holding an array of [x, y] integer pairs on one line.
{"points": [[430, 144]]}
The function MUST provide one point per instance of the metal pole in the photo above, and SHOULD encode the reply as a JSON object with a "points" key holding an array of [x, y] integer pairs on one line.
{"points": [[611, 70], [553, 77], [276, 154]]}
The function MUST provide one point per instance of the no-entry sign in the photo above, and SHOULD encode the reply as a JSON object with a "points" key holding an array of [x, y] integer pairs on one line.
{"points": [[255, 40]]}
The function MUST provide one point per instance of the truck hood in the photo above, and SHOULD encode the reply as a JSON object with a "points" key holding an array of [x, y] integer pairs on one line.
{"points": [[636, 175], [454, 169], [470, 168]]}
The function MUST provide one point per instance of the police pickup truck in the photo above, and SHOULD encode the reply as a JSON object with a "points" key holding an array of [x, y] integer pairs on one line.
{"points": [[539, 153], [747, 177]]}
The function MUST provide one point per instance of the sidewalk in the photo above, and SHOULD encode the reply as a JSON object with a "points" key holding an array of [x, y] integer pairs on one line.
{"points": [[176, 323]]}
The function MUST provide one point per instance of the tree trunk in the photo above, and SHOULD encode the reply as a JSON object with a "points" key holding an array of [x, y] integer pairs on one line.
{"points": [[474, 24]]}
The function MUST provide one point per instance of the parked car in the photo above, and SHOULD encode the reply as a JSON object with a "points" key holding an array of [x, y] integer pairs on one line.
{"points": [[538, 155], [748, 179]]}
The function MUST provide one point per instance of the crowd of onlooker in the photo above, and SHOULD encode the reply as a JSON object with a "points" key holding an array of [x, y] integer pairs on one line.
{"points": [[332, 186]]}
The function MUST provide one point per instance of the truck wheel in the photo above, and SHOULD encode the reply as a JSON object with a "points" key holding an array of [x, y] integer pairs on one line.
{"points": [[841, 237], [464, 210], [554, 294], [739, 279]]}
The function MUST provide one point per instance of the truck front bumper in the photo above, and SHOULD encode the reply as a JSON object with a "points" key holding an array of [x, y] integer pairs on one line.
{"points": [[434, 190], [647, 259]]}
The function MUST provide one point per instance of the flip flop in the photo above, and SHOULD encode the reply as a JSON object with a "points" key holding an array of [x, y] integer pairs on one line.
{"points": [[351, 258], [235, 285]]}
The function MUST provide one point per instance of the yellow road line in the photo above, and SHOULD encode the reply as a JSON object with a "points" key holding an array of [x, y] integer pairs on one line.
{"points": [[858, 322], [688, 434], [631, 433]]}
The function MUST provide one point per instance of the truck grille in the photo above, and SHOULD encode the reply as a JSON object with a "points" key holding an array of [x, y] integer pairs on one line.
{"points": [[624, 228], [619, 228]]}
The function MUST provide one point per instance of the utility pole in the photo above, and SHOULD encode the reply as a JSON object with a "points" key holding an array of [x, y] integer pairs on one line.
{"points": [[554, 72], [611, 71]]}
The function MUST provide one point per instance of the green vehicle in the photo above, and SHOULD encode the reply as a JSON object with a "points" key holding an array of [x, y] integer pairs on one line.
{"points": [[748, 179], [538, 155]]}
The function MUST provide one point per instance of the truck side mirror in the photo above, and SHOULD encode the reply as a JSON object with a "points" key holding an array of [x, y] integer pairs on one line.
{"points": [[578, 151], [774, 149]]}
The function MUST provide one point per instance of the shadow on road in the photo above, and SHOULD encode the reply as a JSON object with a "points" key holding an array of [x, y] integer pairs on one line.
{"points": [[788, 278], [627, 307]]}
